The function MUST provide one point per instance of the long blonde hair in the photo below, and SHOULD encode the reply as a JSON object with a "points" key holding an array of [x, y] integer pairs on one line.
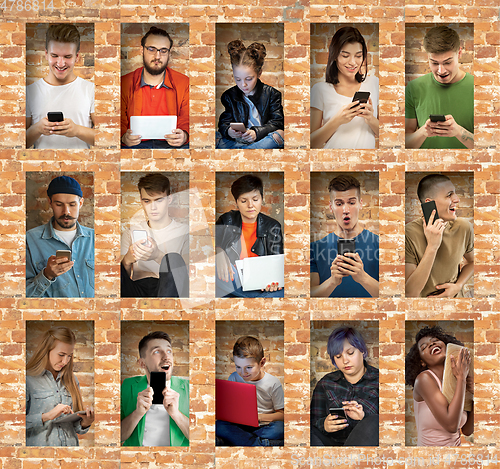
{"points": [[39, 361]]}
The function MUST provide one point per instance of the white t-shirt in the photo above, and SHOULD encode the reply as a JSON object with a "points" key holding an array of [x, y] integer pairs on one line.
{"points": [[270, 395], [75, 100], [355, 134], [67, 236], [173, 238]]}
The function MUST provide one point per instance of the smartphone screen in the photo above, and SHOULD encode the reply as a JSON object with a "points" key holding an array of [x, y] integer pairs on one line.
{"points": [[63, 253], [427, 208], [437, 118], [139, 235], [55, 116], [361, 96], [346, 245], [338, 411], [157, 382]]}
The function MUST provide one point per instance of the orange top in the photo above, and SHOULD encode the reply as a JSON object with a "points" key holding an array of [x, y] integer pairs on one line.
{"points": [[248, 238]]}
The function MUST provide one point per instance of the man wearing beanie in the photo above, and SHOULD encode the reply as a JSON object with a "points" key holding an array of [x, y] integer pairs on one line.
{"points": [[60, 277]]}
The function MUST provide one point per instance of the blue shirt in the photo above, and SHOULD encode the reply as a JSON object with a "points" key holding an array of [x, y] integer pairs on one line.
{"points": [[43, 393], [324, 252], [43, 242]]}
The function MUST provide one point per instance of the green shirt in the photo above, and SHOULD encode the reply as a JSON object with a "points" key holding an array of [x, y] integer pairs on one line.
{"points": [[133, 386], [425, 96]]}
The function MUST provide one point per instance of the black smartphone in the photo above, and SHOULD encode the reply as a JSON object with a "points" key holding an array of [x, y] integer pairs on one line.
{"points": [[437, 118], [338, 411], [361, 96], [55, 116], [427, 208], [345, 245], [157, 382]]}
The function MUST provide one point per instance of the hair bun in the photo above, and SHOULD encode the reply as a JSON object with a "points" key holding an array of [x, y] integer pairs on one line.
{"points": [[236, 48], [257, 51]]}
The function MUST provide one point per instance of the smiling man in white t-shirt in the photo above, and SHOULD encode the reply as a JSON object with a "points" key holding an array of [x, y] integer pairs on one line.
{"points": [[61, 91]]}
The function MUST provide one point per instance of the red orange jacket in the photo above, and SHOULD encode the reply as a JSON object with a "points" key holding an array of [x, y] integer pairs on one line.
{"points": [[177, 97]]}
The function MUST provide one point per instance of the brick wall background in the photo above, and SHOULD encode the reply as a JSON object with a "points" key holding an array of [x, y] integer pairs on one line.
{"points": [[38, 210], [36, 63], [321, 363], [322, 221], [131, 208], [83, 358], [203, 162], [416, 58], [273, 194], [270, 335], [133, 331], [269, 34], [463, 331], [321, 37]]}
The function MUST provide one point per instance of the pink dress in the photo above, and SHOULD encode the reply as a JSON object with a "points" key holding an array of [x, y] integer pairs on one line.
{"points": [[429, 430]]}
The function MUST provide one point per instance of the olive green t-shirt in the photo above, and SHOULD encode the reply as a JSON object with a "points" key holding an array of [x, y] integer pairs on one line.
{"points": [[458, 239], [425, 96]]}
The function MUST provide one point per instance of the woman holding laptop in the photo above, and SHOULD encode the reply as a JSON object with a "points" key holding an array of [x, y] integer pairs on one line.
{"points": [[244, 233]]}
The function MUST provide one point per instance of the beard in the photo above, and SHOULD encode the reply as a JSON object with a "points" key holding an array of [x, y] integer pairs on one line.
{"points": [[66, 222], [154, 70]]}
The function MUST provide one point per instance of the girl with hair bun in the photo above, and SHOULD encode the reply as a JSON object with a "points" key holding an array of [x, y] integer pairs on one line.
{"points": [[337, 120], [53, 392], [250, 103]]}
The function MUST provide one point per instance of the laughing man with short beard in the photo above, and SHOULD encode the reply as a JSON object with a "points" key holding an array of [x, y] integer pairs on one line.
{"points": [[155, 90], [60, 277]]}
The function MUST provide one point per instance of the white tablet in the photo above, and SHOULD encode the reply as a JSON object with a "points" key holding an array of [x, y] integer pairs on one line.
{"points": [[153, 127], [259, 272]]}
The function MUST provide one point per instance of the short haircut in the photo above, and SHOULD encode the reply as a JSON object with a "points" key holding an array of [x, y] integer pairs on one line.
{"points": [[154, 31], [349, 35], [63, 33], [441, 39], [151, 336], [427, 183], [343, 183], [154, 183], [247, 183], [248, 347], [336, 340]]}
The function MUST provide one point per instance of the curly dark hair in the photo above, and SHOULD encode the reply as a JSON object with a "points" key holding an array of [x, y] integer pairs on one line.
{"points": [[413, 362]]}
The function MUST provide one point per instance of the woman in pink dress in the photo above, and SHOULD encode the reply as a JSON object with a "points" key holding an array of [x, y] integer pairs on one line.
{"points": [[438, 422]]}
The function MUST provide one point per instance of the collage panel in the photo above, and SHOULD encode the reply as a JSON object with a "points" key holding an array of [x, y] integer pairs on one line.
{"points": [[439, 235], [249, 111], [60, 383], [344, 223], [154, 397], [60, 235], [249, 243], [60, 92], [439, 376], [250, 376], [439, 79], [154, 86], [154, 247], [344, 86], [344, 383]]}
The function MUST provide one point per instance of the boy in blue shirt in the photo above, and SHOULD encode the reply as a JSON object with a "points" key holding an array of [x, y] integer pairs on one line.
{"points": [[353, 275], [248, 357]]}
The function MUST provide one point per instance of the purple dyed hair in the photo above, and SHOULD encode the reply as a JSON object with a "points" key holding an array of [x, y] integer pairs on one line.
{"points": [[335, 344]]}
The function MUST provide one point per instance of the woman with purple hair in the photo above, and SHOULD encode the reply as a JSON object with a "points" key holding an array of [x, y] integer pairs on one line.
{"points": [[344, 406]]}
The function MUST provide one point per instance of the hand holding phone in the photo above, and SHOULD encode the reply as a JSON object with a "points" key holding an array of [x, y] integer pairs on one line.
{"points": [[427, 208], [55, 116], [336, 421], [58, 264], [238, 127], [361, 96], [158, 381]]}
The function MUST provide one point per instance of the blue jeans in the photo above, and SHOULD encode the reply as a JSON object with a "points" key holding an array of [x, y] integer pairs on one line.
{"points": [[156, 145], [244, 435], [268, 142], [233, 289]]}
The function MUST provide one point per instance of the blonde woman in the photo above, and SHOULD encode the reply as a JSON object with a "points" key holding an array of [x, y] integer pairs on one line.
{"points": [[53, 392]]}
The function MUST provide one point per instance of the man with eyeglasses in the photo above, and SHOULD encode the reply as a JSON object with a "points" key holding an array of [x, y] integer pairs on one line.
{"points": [[155, 90]]}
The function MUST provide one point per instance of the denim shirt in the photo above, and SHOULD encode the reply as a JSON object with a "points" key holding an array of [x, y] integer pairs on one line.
{"points": [[43, 393], [78, 282]]}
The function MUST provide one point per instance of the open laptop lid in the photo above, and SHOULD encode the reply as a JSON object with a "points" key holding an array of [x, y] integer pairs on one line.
{"points": [[236, 402]]}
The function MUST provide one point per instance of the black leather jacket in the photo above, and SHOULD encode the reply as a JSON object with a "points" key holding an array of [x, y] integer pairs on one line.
{"points": [[228, 235], [267, 100]]}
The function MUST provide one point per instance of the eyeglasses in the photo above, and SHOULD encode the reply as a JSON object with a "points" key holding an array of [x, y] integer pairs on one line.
{"points": [[154, 50]]}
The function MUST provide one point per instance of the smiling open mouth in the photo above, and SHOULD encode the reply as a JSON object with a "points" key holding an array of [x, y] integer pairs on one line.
{"points": [[435, 350]]}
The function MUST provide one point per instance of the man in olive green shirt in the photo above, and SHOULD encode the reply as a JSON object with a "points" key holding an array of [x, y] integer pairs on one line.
{"points": [[434, 251], [447, 91]]}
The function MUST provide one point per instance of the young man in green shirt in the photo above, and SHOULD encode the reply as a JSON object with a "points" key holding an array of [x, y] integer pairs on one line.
{"points": [[447, 91], [144, 423]]}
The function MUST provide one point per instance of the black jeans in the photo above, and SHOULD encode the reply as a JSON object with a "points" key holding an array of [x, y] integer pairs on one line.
{"points": [[173, 281]]}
